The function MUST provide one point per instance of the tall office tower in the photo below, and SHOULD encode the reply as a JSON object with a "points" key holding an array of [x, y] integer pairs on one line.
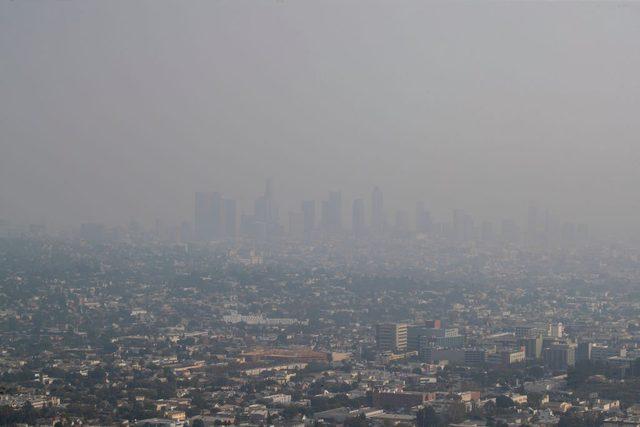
{"points": [[423, 219], [309, 216], [486, 231], [230, 218], [335, 211], [457, 224], [402, 221], [548, 223], [248, 225], [560, 356], [556, 331], [463, 227], [217, 215], [532, 346], [414, 334], [582, 232], [271, 209], [583, 352], [203, 209], [266, 212], [208, 216], [568, 232], [260, 209], [324, 215], [377, 210], [296, 224], [357, 220], [391, 337]]}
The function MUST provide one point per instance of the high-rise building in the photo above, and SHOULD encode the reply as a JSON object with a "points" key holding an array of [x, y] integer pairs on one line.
{"points": [[532, 346], [463, 228], [266, 211], [583, 352], [335, 211], [560, 356], [556, 330], [568, 232], [230, 218], [208, 216], [377, 210], [296, 224], [526, 331], [270, 203], [324, 215], [422, 336], [391, 337], [358, 221], [423, 219]]}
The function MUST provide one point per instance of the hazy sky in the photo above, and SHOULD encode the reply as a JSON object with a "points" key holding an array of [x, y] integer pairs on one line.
{"points": [[113, 110]]}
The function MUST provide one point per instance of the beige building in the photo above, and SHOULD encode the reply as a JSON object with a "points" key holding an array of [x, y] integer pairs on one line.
{"points": [[391, 336]]}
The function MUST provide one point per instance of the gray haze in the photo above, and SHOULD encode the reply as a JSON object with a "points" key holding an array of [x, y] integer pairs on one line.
{"points": [[114, 110]]}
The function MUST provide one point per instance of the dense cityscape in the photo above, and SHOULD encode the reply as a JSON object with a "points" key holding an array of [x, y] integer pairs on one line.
{"points": [[244, 321], [319, 213]]}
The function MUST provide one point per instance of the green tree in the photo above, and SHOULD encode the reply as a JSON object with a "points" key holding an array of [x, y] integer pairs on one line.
{"points": [[427, 417], [534, 400], [457, 412], [503, 402], [359, 421]]}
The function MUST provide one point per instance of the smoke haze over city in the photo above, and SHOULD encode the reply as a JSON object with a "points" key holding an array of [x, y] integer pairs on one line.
{"points": [[297, 213], [113, 111]]}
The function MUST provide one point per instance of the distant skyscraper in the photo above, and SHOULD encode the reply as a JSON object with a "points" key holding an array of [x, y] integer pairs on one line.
{"points": [[423, 219], [463, 227], [568, 232], [271, 208], [260, 208], [377, 210], [309, 216], [324, 215], [457, 224], [358, 221], [208, 216], [296, 224], [230, 216], [266, 211], [335, 211], [582, 232], [203, 212]]}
